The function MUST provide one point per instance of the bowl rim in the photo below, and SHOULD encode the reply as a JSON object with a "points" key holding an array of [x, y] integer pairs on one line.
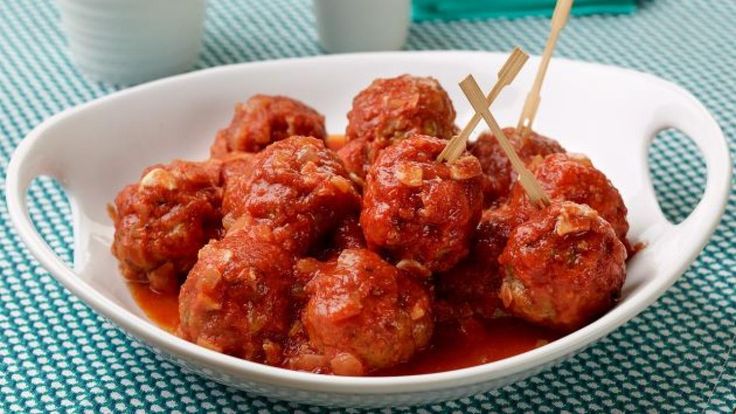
{"points": [[149, 333]]}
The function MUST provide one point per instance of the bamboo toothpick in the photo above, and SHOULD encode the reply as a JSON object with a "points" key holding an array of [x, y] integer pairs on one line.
{"points": [[559, 19], [528, 181], [506, 75]]}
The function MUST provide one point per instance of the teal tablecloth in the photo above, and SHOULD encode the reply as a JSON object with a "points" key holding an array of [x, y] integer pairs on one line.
{"points": [[58, 355]]}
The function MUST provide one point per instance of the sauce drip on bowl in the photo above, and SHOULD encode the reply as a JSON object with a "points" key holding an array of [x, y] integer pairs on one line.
{"points": [[453, 345], [161, 308], [473, 342]]}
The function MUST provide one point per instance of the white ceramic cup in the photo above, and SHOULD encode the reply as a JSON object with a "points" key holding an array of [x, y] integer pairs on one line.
{"points": [[133, 41], [362, 25]]}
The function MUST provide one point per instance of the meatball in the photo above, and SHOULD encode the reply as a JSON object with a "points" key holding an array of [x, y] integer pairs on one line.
{"points": [[162, 221], [388, 110], [347, 235], [298, 188], [420, 211], [573, 177], [236, 298], [235, 164], [563, 267], [363, 314], [355, 157], [498, 174], [265, 119], [471, 288]]}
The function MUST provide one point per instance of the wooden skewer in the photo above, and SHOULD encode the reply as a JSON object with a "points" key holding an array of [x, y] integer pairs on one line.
{"points": [[506, 75], [559, 19], [528, 181]]}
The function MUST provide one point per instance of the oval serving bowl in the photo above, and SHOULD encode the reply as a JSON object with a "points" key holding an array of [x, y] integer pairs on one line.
{"points": [[610, 114]]}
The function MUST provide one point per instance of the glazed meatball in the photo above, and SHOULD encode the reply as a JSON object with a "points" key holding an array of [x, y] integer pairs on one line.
{"points": [[265, 119], [236, 298], [162, 221], [363, 314], [347, 235], [389, 110], [355, 157], [235, 164], [471, 288], [498, 174], [419, 211], [573, 177], [563, 267], [298, 188]]}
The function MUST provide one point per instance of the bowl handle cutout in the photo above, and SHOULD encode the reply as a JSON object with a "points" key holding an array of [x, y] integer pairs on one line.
{"points": [[33, 159], [691, 118]]}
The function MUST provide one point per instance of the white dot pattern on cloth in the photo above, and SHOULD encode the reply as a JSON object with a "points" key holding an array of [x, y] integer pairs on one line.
{"points": [[56, 355]]}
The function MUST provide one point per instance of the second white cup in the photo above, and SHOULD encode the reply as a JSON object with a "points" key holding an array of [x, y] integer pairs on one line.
{"points": [[362, 25]]}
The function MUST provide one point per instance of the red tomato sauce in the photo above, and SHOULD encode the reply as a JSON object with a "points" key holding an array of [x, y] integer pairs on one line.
{"points": [[161, 308], [453, 346], [476, 342], [335, 141]]}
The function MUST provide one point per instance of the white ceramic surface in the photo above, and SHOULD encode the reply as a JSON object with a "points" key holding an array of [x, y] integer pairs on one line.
{"points": [[132, 41], [609, 113], [362, 25]]}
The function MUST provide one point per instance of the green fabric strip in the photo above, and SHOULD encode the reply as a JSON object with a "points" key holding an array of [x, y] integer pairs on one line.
{"points": [[484, 9]]}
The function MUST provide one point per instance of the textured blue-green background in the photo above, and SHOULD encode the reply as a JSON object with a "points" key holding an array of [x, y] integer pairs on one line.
{"points": [[58, 355]]}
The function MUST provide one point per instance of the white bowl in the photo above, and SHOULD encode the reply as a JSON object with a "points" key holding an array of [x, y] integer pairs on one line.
{"points": [[609, 113]]}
